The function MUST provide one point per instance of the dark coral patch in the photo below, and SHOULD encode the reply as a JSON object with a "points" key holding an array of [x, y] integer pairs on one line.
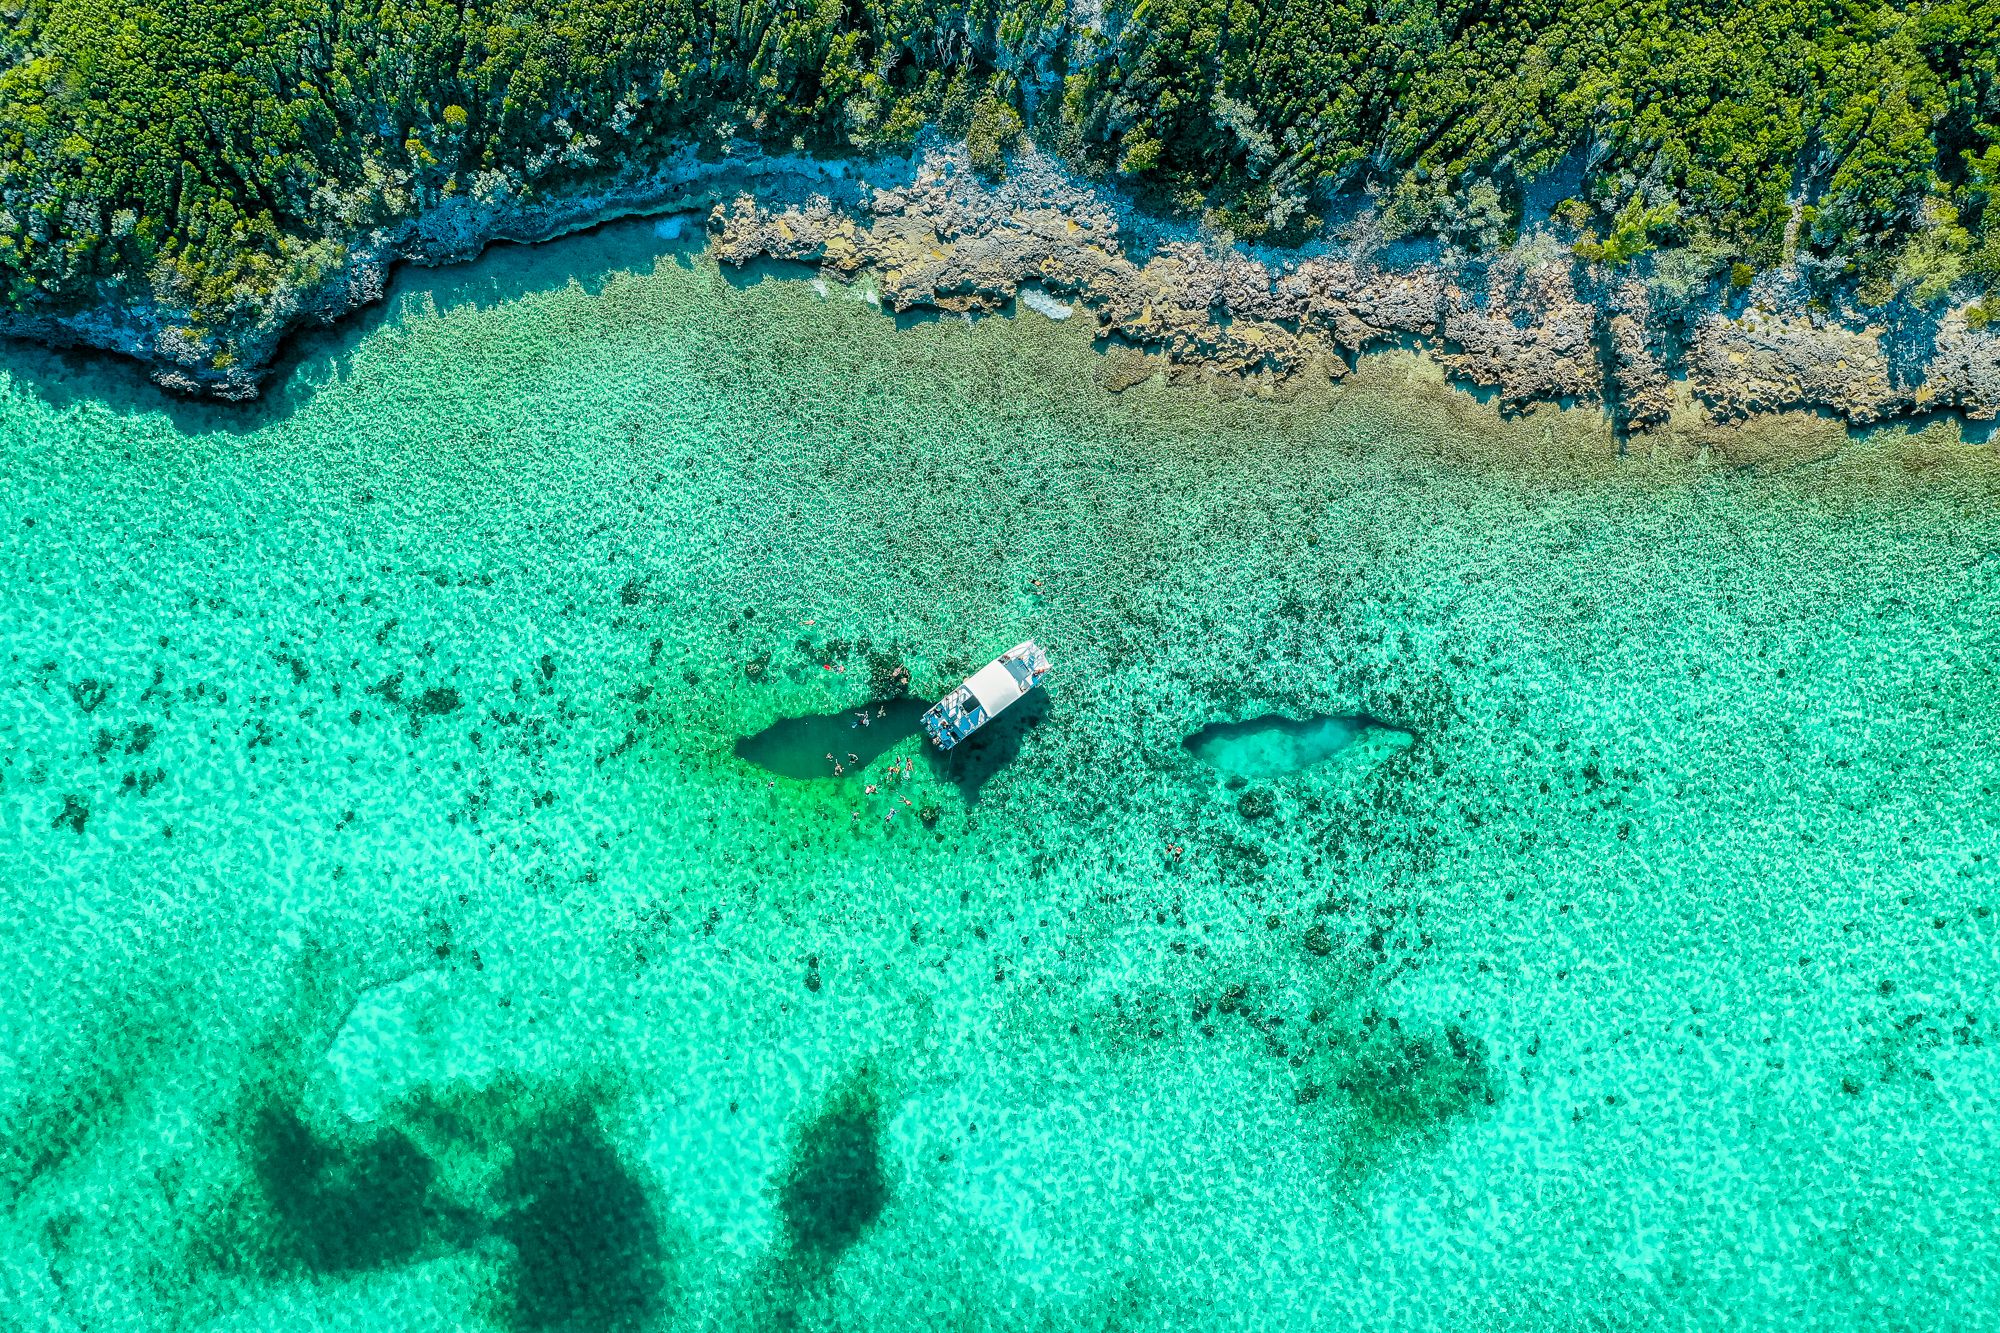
{"points": [[837, 1185], [75, 813], [585, 1248], [342, 1207], [1404, 1083], [589, 1253]]}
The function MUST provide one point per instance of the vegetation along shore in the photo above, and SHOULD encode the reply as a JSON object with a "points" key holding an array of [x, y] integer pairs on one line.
{"points": [[1746, 207]]}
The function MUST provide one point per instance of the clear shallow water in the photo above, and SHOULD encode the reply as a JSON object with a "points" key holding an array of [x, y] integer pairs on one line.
{"points": [[397, 940], [1272, 746]]}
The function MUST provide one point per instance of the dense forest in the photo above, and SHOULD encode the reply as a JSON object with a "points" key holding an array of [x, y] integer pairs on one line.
{"points": [[213, 149]]}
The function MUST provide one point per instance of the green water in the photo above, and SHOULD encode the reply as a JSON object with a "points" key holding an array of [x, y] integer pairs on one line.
{"points": [[1273, 746], [396, 939]]}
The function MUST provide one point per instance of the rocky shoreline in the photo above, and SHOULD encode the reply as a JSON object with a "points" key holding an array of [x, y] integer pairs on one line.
{"points": [[232, 362], [1532, 323]]}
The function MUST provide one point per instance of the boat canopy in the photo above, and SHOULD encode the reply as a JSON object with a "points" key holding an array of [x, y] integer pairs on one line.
{"points": [[996, 686], [985, 693]]}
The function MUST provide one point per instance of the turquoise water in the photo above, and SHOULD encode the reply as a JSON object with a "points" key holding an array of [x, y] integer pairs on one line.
{"points": [[397, 940], [1273, 746]]}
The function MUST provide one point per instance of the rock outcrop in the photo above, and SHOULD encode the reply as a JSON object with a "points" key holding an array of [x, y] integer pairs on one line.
{"points": [[1529, 328], [1532, 323]]}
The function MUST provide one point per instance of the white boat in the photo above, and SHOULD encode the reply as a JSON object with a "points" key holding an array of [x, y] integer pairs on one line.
{"points": [[986, 693]]}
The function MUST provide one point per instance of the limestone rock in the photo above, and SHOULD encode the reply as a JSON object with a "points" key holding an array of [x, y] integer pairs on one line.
{"points": [[934, 235]]}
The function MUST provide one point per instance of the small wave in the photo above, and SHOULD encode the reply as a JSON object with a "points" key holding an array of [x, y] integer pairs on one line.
{"points": [[1042, 303]]}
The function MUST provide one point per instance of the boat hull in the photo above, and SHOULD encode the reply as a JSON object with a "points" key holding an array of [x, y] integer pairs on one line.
{"points": [[986, 694]]}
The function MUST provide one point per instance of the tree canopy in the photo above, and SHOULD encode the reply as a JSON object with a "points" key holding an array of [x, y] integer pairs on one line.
{"points": [[214, 149]]}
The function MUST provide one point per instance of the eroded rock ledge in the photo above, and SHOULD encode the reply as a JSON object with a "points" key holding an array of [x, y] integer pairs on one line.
{"points": [[1531, 323]]}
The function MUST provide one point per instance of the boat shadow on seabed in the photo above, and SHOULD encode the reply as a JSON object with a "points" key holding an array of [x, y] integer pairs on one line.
{"points": [[796, 747], [986, 751]]}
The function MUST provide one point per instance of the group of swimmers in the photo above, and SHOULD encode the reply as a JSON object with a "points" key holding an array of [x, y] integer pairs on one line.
{"points": [[900, 770]]}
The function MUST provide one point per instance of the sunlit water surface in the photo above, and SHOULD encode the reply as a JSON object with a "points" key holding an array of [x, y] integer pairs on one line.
{"points": [[397, 938]]}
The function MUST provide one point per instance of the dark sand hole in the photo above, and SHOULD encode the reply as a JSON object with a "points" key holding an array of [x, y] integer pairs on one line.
{"points": [[797, 747], [1273, 746], [838, 1183]]}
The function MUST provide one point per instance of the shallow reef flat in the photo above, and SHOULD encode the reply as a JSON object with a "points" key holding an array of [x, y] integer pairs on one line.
{"points": [[406, 929]]}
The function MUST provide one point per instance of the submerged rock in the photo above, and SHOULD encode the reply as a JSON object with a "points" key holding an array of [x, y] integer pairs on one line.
{"points": [[1274, 745], [837, 1184]]}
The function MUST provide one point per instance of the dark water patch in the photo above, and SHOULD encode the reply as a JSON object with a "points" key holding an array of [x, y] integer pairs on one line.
{"points": [[589, 1253], [456, 1169], [973, 762], [341, 1205], [1403, 1083], [837, 1184], [1274, 745], [764, 268], [919, 316], [797, 747]]}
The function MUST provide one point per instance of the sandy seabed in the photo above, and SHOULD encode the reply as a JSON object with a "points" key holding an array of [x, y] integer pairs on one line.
{"points": [[398, 940]]}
